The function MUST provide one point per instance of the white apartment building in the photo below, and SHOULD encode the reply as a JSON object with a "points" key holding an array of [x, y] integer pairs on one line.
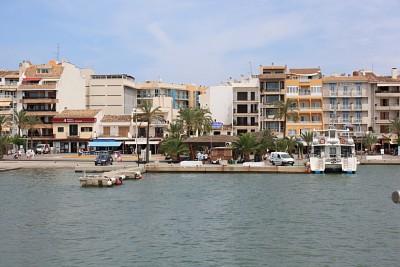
{"points": [[115, 94]]}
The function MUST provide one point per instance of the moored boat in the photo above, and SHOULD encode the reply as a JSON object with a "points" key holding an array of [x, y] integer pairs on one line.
{"points": [[332, 150]]}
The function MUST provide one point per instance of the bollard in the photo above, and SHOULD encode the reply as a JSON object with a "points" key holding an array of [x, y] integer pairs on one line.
{"points": [[396, 197]]}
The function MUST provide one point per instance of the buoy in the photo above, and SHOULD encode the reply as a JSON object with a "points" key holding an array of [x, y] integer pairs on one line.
{"points": [[113, 180], [118, 182], [140, 176], [109, 182], [396, 197], [123, 176]]}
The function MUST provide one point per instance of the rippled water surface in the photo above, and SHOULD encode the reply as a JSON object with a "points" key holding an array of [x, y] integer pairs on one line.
{"points": [[204, 219]]}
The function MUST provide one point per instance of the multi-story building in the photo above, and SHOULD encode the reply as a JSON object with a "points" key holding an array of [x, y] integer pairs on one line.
{"points": [[47, 89], [218, 100], [115, 94], [272, 90], [304, 87], [74, 128], [385, 105], [8, 91], [347, 103], [246, 101], [182, 95]]}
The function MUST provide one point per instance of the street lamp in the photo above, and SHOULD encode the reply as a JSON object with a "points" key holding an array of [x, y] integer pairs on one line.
{"points": [[136, 135]]}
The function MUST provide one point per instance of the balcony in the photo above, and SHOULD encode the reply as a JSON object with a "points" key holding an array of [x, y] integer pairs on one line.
{"points": [[39, 101], [394, 107]]}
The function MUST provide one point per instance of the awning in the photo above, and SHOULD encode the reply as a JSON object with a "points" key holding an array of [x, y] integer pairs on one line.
{"points": [[31, 79], [141, 142], [5, 104], [104, 144]]}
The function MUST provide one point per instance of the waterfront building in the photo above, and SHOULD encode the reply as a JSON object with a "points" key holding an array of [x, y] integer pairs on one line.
{"points": [[385, 106], [234, 106], [218, 99], [246, 102], [272, 90], [347, 103], [115, 94], [74, 128], [183, 95], [8, 90], [304, 87], [45, 90]]}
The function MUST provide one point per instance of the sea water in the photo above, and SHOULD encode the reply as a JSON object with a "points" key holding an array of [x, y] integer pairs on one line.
{"points": [[201, 219]]}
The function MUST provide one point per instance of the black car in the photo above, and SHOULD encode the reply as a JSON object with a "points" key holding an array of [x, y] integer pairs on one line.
{"points": [[103, 159]]}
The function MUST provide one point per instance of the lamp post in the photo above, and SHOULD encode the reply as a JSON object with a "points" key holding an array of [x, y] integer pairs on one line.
{"points": [[136, 136]]}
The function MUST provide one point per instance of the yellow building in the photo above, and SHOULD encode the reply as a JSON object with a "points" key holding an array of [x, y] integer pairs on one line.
{"points": [[304, 87]]}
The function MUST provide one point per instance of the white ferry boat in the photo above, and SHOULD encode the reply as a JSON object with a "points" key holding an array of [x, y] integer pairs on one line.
{"points": [[332, 150]]}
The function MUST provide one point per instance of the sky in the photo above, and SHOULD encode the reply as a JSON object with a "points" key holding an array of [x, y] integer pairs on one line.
{"points": [[204, 42]]}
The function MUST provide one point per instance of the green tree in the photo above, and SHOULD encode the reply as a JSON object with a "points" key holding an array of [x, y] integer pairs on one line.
{"points": [[394, 128], [369, 140], [31, 124], [244, 145], [5, 142], [20, 120], [174, 147], [197, 120], [286, 144], [286, 111], [307, 137], [5, 120], [175, 129], [148, 114], [265, 142]]}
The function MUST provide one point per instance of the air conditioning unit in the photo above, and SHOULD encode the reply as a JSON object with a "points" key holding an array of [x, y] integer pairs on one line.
{"points": [[227, 144]]}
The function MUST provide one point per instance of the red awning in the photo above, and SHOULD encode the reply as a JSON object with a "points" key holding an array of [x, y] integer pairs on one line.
{"points": [[31, 79]]}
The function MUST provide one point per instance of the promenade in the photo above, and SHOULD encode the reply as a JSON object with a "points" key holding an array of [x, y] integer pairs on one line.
{"points": [[74, 161]]}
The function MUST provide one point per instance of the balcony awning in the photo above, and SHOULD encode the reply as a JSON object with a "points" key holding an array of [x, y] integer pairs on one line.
{"points": [[104, 144], [5, 103], [141, 142], [31, 79]]}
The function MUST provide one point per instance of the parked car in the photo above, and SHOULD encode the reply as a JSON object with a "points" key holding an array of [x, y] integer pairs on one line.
{"points": [[41, 149], [104, 159], [281, 158]]}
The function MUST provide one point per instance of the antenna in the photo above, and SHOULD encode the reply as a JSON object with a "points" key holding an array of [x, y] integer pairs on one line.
{"points": [[58, 52], [251, 70]]}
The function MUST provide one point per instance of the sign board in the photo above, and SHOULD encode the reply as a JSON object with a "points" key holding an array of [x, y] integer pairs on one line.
{"points": [[74, 120], [217, 125]]}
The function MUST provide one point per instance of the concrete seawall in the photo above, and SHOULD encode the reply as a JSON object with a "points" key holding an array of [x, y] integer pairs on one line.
{"points": [[227, 168]]}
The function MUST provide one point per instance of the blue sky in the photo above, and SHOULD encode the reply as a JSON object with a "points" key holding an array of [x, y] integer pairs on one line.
{"points": [[202, 41]]}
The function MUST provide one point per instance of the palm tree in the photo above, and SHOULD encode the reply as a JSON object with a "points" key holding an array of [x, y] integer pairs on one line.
{"points": [[175, 129], [5, 121], [244, 145], [5, 141], [31, 124], [266, 142], [394, 127], [20, 118], [197, 120], [174, 147], [285, 111], [369, 140], [148, 115], [307, 137]]}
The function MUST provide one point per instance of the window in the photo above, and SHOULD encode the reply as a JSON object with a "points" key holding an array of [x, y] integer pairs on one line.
{"points": [[241, 95], [73, 130], [304, 105], [316, 90], [60, 129], [43, 70], [292, 90], [106, 130], [316, 104], [86, 129], [123, 131], [292, 132], [304, 118], [316, 118]]}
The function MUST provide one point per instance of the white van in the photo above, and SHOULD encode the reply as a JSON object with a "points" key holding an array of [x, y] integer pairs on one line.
{"points": [[281, 158], [41, 149]]}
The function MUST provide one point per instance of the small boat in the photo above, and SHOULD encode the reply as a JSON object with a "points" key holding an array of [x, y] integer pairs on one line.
{"points": [[332, 150]]}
